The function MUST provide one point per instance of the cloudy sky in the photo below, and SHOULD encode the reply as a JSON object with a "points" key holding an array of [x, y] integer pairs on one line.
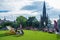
{"points": [[14, 8]]}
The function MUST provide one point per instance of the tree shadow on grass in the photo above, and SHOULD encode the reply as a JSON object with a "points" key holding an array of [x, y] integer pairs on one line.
{"points": [[4, 35], [14, 35], [18, 35]]}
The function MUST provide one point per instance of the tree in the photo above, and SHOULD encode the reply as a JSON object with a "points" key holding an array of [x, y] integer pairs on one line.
{"points": [[4, 24], [21, 20], [32, 21], [58, 23], [14, 24], [49, 25]]}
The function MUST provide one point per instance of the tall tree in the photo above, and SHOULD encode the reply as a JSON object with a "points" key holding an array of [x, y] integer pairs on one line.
{"points": [[58, 23], [32, 21], [21, 20]]}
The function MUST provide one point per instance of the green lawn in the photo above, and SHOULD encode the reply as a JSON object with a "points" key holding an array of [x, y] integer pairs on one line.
{"points": [[29, 35]]}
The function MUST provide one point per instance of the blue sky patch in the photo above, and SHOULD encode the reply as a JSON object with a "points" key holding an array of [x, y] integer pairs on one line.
{"points": [[3, 11]]}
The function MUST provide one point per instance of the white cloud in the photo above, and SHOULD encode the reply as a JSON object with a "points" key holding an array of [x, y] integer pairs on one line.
{"points": [[12, 15], [16, 5], [13, 4], [54, 3]]}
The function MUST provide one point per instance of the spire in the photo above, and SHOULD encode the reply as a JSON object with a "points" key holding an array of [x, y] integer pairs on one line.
{"points": [[44, 10]]}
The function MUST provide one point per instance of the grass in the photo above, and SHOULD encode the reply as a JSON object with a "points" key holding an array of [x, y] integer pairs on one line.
{"points": [[29, 35]]}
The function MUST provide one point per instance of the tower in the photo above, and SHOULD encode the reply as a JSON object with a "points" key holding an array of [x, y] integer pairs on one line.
{"points": [[44, 17]]}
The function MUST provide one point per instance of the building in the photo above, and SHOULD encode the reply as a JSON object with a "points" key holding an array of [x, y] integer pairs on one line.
{"points": [[4, 20], [44, 17]]}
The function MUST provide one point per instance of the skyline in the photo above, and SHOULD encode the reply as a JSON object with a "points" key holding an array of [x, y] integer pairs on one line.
{"points": [[13, 8]]}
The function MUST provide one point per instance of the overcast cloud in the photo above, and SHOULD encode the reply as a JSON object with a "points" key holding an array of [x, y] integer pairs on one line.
{"points": [[14, 8]]}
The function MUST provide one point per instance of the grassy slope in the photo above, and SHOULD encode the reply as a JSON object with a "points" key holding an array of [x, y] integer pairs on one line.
{"points": [[29, 35]]}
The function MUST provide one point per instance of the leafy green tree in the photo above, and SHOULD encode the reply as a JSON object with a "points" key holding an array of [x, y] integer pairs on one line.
{"points": [[32, 21], [4, 24], [21, 20], [58, 23], [0, 26], [14, 24], [7, 24], [49, 24]]}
